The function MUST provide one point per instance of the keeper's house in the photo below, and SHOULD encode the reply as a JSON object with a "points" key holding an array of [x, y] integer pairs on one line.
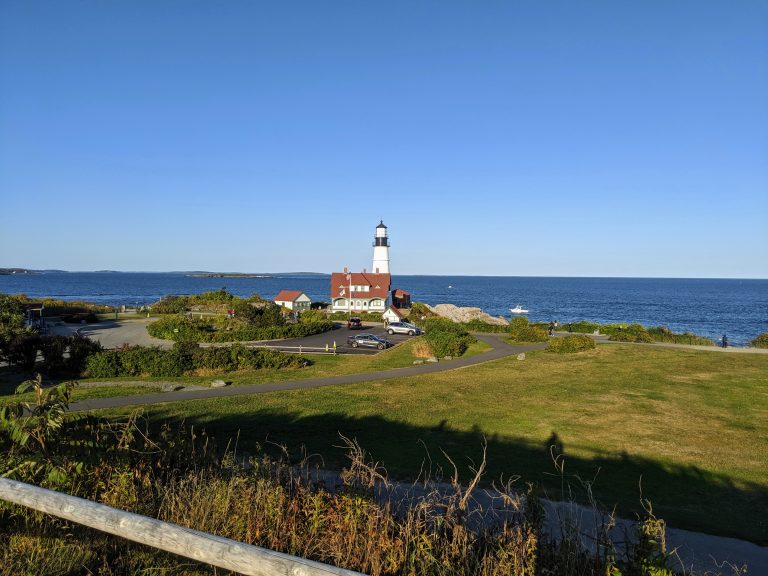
{"points": [[293, 300], [359, 292], [365, 291]]}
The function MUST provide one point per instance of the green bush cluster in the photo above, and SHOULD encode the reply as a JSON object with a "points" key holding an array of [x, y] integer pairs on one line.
{"points": [[664, 334], [182, 329], [628, 333], [214, 301], [419, 310], [149, 361], [446, 338], [637, 333], [761, 341], [485, 327], [61, 356], [364, 316], [571, 343], [520, 330]]}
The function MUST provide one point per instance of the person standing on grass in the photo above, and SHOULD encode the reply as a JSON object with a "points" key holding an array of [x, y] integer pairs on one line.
{"points": [[725, 341], [551, 330]]}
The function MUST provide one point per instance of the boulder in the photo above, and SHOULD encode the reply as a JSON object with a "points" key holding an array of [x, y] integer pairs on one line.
{"points": [[218, 384], [466, 314]]}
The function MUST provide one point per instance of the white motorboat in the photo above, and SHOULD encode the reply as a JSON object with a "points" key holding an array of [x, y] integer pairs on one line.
{"points": [[518, 310]]}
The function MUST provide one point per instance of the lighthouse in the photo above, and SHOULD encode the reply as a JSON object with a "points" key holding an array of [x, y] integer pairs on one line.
{"points": [[381, 250]]}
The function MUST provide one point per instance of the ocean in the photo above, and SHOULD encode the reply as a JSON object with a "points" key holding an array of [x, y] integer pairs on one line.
{"points": [[708, 307]]}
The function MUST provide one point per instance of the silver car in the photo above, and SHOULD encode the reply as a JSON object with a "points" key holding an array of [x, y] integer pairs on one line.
{"points": [[403, 328]]}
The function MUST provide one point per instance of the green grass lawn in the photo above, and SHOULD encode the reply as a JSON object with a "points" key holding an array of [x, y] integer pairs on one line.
{"points": [[400, 356], [690, 427]]}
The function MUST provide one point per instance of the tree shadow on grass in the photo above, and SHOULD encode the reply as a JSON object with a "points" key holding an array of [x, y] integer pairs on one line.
{"points": [[685, 496]]}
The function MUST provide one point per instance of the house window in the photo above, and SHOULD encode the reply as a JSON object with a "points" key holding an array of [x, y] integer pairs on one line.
{"points": [[340, 303]]}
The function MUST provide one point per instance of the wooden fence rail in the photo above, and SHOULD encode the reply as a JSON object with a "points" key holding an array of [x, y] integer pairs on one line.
{"points": [[207, 548]]}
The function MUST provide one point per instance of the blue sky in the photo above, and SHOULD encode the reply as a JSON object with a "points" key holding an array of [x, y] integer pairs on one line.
{"points": [[500, 138]]}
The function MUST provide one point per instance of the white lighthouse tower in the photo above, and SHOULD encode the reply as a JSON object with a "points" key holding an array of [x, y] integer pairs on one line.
{"points": [[381, 250]]}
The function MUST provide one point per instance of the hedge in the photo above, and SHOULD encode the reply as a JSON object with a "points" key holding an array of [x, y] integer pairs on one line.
{"points": [[761, 341], [182, 329], [446, 338], [571, 343], [151, 361], [521, 331]]}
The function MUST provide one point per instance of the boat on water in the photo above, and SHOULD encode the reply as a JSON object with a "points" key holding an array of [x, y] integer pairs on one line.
{"points": [[518, 310]]}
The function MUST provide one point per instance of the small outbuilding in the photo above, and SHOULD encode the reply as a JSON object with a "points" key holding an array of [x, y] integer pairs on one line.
{"points": [[294, 300], [392, 314], [401, 298]]}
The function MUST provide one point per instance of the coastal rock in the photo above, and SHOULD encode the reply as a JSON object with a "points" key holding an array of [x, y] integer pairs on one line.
{"points": [[466, 314]]}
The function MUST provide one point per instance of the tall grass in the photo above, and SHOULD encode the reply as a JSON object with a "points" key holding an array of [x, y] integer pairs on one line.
{"points": [[357, 520]]}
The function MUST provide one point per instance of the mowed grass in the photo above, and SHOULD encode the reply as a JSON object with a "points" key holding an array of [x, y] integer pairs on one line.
{"points": [[401, 356], [686, 429]]}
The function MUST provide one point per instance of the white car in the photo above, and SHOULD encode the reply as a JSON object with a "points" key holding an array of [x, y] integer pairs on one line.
{"points": [[403, 328]]}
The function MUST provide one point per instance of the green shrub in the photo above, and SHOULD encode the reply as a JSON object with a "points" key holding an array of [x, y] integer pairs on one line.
{"points": [[182, 329], [144, 361], [52, 349], [571, 343], [761, 341], [446, 338], [629, 333], [521, 331], [170, 305], [485, 327], [583, 327], [419, 310], [664, 334]]}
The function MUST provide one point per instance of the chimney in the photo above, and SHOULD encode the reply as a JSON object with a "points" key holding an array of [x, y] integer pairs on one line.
{"points": [[377, 270], [345, 270]]}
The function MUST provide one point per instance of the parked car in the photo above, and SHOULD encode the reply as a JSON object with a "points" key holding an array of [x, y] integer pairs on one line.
{"points": [[403, 328], [354, 323], [369, 341]]}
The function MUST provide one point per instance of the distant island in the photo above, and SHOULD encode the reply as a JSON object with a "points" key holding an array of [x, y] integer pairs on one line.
{"points": [[9, 271], [228, 275]]}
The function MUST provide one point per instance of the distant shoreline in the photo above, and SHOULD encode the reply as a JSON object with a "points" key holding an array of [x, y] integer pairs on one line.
{"points": [[230, 275]]}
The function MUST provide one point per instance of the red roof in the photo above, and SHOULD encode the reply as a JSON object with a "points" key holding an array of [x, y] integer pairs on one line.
{"points": [[378, 284], [288, 295], [396, 310]]}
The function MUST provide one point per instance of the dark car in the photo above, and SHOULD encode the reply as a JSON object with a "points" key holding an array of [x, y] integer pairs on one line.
{"points": [[354, 323], [369, 341]]}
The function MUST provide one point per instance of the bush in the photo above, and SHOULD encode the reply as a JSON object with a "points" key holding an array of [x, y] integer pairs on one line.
{"points": [[761, 341], [521, 331], [446, 338], [419, 309], [664, 334], [156, 362], [571, 343], [583, 327], [630, 333], [182, 329], [170, 305], [486, 327]]}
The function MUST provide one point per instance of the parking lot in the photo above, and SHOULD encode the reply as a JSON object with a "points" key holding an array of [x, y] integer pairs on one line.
{"points": [[339, 336]]}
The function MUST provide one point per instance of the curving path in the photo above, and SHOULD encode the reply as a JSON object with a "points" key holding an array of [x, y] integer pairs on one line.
{"points": [[500, 349]]}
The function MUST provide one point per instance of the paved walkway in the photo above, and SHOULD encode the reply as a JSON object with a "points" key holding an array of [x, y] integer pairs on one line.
{"points": [[500, 349]]}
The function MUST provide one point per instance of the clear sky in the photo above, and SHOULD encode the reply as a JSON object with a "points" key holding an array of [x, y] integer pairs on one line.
{"points": [[532, 138]]}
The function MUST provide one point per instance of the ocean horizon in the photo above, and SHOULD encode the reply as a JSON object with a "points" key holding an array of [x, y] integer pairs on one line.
{"points": [[709, 307]]}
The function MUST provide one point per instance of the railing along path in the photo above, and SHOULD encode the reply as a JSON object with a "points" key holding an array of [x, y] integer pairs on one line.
{"points": [[193, 544]]}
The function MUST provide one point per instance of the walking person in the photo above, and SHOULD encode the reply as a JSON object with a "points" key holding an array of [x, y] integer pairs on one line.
{"points": [[725, 341], [551, 330]]}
